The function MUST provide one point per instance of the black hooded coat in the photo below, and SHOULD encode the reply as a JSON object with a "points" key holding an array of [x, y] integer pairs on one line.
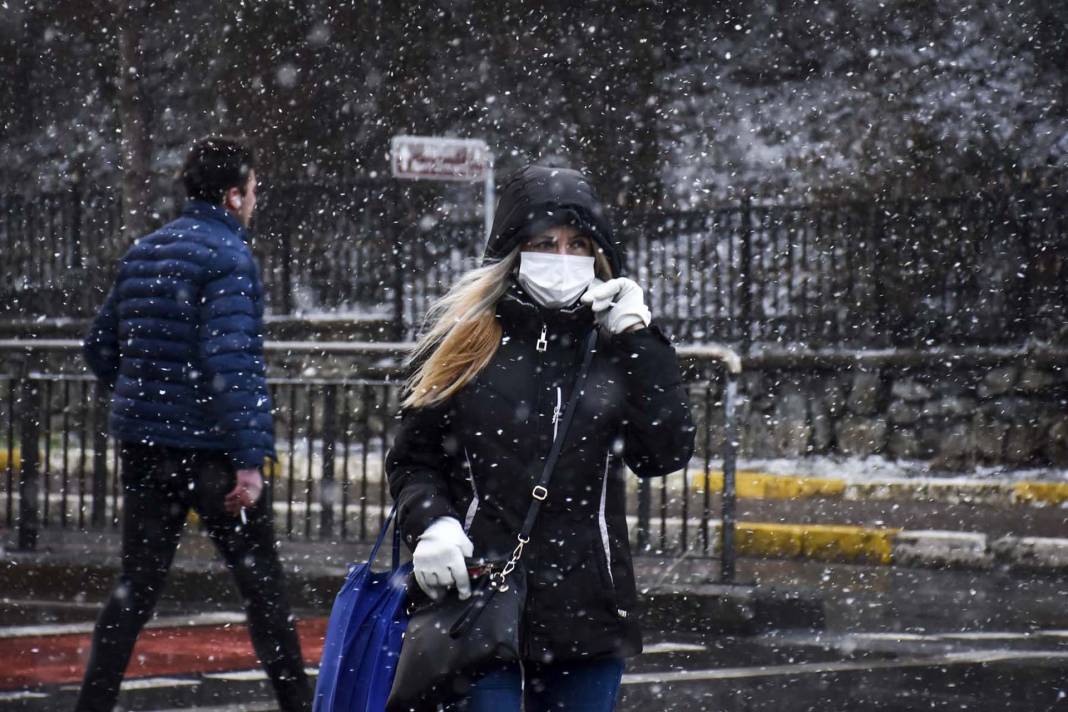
{"points": [[477, 456]]}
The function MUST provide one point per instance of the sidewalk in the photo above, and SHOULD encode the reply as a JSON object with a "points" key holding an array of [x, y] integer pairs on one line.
{"points": [[78, 568]]}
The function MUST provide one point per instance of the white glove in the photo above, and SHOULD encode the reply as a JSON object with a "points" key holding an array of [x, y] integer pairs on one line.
{"points": [[438, 559], [618, 304]]}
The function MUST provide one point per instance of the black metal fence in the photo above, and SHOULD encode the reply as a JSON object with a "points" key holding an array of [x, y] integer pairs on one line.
{"points": [[978, 270], [57, 250], [59, 469], [981, 269]]}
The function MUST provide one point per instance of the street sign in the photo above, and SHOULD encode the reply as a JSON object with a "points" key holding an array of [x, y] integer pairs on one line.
{"points": [[434, 158]]}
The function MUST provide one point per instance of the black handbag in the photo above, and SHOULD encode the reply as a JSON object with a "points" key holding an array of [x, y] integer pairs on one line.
{"points": [[451, 642]]}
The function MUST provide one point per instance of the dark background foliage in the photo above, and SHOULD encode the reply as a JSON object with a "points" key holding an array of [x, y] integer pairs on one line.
{"points": [[665, 103]]}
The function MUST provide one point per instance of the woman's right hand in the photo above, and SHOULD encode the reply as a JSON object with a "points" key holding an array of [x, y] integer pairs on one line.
{"points": [[618, 305], [438, 560]]}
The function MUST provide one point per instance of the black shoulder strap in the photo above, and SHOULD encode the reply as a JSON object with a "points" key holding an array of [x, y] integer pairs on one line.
{"points": [[541, 490]]}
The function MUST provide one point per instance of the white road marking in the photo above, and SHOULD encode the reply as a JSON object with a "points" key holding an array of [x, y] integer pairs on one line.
{"points": [[219, 618], [237, 675], [964, 658], [21, 695], [152, 683], [668, 647], [250, 707], [146, 683], [984, 635], [249, 675], [23, 631], [889, 636], [61, 605], [1052, 633], [842, 639]]}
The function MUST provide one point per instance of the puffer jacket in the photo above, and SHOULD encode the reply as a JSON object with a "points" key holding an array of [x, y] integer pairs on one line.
{"points": [[180, 340], [477, 457]]}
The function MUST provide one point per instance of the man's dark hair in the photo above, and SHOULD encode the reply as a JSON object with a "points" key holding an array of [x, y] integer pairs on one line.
{"points": [[214, 165]]}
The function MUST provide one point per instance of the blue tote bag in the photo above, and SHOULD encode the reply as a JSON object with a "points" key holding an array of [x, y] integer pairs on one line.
{"points": [[363, 637]]}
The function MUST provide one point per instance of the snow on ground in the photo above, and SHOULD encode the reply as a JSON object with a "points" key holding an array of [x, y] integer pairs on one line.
{"points": [[340, 315], [876, 468]]}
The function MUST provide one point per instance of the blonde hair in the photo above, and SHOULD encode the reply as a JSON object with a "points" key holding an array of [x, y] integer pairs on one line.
{"points": [[464, 332]]}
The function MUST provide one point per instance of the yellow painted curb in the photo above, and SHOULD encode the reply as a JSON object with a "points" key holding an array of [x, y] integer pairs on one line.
{"points": [[16, 459], [760, 485], [1040, 492], [765, 539], [824, 542], [847, 543]]}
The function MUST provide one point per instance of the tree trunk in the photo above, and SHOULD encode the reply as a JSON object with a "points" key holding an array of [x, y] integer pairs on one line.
{"points": [[134, 120]]}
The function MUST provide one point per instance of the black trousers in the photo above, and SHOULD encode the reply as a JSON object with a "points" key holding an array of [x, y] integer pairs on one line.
{"points": [[160, 485]]}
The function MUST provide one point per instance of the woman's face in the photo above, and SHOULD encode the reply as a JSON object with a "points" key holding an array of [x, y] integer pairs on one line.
{"points": [[560, 240]]}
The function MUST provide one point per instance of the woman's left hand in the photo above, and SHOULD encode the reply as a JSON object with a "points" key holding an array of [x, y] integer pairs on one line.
{"points": [[618, 305]]}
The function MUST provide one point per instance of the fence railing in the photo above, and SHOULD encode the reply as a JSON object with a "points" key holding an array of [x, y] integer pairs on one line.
{"points": [[57, 251], [59, 468], [981, 269]]}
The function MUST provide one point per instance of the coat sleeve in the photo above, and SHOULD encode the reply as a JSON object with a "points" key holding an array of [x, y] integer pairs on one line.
{"points": [[658, 434], [101, 345], [418, 467], [231, 355]]}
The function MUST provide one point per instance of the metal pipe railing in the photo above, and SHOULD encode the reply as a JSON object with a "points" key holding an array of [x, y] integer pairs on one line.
{"points": [[732, 363], [333, 433]]}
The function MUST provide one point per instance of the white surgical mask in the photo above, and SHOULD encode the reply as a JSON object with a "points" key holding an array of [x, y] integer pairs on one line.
{"points": [[555, 280]]}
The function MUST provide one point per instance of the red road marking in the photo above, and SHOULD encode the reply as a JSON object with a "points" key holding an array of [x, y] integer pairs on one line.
{"points": [[60, 659]]}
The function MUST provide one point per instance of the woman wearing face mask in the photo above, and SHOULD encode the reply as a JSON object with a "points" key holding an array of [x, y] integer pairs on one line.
{"points": [[492, 375]]}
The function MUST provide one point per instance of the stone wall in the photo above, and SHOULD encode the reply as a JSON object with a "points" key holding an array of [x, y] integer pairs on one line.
{"points": [[980, 408]]}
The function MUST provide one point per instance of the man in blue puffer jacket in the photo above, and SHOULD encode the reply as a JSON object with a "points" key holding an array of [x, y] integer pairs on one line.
{"points": [[180, 340]]}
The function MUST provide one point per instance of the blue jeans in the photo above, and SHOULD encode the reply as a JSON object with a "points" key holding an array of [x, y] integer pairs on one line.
{"points": [[588, 686]]}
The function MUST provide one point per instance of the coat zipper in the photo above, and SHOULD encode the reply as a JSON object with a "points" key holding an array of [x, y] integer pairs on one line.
{"points": [[602, 522], [543, 341], [473, 507], [558, 411]]}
